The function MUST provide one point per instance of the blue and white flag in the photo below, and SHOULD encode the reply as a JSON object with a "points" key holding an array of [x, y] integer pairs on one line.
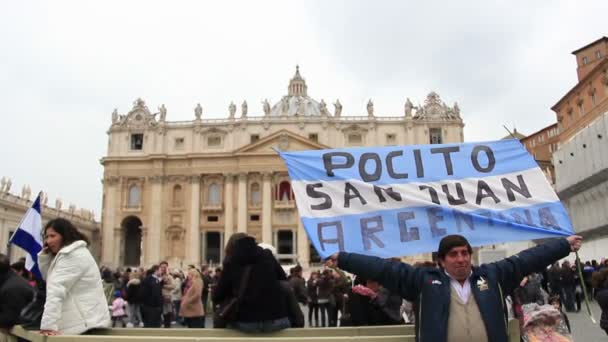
{"points": [[401, 200], [29, 237]]}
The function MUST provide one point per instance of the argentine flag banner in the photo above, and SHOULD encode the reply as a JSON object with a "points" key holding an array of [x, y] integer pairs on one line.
{"points": [[28, 236], [402, 200]]}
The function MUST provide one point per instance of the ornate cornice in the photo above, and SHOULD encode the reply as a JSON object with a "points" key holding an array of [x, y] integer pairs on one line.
{"points": [[157, 179], [111, 180], [177, 178], [193, 179]]}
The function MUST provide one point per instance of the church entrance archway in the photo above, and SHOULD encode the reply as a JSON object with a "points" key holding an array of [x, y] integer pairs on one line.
{"points": [[131, 227]]}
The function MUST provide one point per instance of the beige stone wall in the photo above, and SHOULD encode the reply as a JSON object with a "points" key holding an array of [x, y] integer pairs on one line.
{"points": [[183, 153]]}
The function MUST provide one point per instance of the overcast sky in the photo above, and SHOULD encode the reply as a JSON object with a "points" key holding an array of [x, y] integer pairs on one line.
{"points": [[65, 65]]}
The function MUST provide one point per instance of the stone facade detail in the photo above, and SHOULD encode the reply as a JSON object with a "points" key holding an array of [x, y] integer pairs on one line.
{"points": [[226, 177]]}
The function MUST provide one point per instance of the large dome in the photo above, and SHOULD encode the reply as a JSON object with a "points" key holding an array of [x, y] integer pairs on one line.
{"points": [[297, 102]]}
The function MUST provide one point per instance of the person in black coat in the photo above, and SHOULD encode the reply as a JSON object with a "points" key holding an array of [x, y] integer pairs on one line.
{"points": [[600, 284], [260, 309], [152, 298], [15, 294]]}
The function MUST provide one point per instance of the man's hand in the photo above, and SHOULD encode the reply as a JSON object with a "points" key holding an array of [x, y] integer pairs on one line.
{"points": [[332, 261], [575, 242]]}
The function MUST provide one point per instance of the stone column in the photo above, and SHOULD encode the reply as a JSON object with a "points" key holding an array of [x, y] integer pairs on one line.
{"points": [[228, 205], [117, 247], [108, 220], [153, 242], [266, 209], [242, 204], [193, 255], [303, 245], [143, 247]]}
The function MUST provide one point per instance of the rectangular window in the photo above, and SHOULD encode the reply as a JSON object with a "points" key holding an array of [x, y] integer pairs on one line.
{"points": [[313, 137], [179, 143], [214, 141], [213, 219], [355, 139], [593, 99], [598, 54], [254, 138], [580, 109], [254, 218], [391, 139], [585, 61], [435, 134], [137, 141]]}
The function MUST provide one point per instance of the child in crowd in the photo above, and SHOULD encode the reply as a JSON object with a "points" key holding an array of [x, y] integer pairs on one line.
{"points": [[118, 310], [557, 304]]}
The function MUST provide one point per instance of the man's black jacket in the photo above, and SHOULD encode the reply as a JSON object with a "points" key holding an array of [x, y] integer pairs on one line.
{"points": [[430, 288]]}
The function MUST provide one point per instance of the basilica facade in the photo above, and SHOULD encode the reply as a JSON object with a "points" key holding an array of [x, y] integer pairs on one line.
{"points": [[177, 190]]}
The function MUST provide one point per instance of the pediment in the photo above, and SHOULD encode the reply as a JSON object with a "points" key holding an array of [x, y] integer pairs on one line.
{"points": [[354, 128], [282, 140], [214, 130]]}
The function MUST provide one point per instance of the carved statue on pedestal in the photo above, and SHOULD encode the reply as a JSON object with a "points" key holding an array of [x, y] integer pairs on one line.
{"points": [[408, 107], [198, 111], [370, 108], [232, 109], [163, 112], [337, 108], [58, 204], [115, 116], [2, 184], [244, 109], [266, 107], [323, 108], [301, 106], [26, 192], [284, 105], [456, 110]]}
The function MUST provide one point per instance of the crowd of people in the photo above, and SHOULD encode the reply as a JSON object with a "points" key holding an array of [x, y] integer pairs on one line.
{"points": [[251, 292]]}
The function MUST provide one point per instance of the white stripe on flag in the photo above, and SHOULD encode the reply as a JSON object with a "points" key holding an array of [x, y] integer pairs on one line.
{"points": [[32, 223], [413, 196]]}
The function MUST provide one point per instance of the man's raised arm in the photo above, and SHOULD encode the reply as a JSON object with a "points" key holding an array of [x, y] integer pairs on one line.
{"points": [[396, 276]]}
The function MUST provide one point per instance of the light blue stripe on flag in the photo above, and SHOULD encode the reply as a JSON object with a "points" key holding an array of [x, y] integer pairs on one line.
{"points": [[421, 163]]}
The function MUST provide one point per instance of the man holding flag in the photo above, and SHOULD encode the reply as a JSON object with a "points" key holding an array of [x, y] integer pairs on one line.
{"points": [[360, 206], [458, 302], [28, 236]]}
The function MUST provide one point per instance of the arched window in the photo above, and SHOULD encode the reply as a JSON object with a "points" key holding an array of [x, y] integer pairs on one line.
{"points": [[178, 196], [256, 195], [213, 194], [134, 199], [285, 191]]}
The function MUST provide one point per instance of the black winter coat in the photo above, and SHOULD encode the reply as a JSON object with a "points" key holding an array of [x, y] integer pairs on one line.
{"points": [[262, 300], [15, 294], [430, 288], [602, 300], [134, 292], [152, 292]]}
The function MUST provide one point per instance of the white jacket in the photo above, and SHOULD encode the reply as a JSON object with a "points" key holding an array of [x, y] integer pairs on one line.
{"points": [[75, 301]]}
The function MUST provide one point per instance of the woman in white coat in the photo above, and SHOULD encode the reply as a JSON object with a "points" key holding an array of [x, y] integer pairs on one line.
{"points": [[75, 301]]}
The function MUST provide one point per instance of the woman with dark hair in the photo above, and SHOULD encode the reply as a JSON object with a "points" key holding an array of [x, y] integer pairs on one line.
{"points": [[75, 301], [260, 309], [600, 284]]}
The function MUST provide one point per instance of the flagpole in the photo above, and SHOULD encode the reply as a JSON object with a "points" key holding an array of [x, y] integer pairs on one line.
{"points": [[580, 276]]}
